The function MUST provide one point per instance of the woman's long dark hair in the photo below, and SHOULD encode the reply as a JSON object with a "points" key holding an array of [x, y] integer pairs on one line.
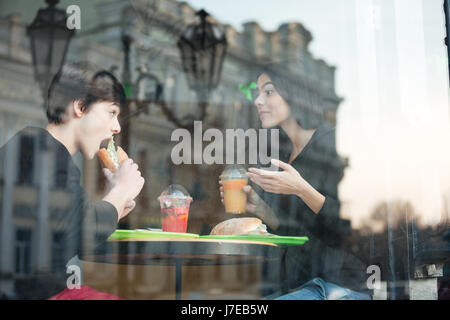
{"points": [[303, 99]]}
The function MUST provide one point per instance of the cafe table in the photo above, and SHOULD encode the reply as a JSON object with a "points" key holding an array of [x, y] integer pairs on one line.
{"points": [[141, 247]]}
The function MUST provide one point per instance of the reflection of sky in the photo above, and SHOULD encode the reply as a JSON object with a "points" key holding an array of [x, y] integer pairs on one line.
{"points": [[392, 71]]}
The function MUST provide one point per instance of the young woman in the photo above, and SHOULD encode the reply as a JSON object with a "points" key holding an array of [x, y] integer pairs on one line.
{"points": [[300, 199]]}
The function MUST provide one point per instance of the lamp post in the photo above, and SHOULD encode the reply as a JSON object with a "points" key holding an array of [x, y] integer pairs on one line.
{"points": [[202, 48], [447, 29], [133, 91], [49, 40], [126, 80]]}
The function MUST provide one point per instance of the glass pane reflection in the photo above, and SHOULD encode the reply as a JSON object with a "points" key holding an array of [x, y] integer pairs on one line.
{"points": [[362, 115]]}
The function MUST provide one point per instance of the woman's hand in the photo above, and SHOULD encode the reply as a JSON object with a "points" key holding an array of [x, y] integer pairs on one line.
{"points": [[288, 181], [253, 200], [256, 206]]}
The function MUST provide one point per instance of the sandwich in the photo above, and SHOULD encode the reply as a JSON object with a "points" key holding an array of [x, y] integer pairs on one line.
{"points": [[112, 157], [240, 226]]}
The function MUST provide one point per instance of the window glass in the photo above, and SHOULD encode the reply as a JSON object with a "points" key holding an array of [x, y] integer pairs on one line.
{"points": [[350, 98], [23, 252], [26, 161]]}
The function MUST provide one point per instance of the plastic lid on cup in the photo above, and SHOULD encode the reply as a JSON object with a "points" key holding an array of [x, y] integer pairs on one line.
{"points": [[174, 195], [175, 191], [233, 172]]}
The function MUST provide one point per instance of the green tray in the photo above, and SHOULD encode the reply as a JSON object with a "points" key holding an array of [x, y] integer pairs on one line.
{"points": [[146, 234], [121, 234], [279, 240]]}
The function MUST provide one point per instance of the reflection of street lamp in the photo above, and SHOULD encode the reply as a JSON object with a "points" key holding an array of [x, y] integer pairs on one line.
{"points": [[49, 40], [202, 47], [447, 29], [146, 90]]}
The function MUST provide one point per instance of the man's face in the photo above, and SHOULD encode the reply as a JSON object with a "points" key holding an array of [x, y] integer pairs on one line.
{"points": [[97, 125]]}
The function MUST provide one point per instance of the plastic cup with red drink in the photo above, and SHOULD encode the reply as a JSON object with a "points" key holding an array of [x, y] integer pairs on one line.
{"points": [[175, 202]]}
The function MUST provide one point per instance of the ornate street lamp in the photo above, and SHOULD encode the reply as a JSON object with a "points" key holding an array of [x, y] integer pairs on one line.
{"points": [[145, 90], [203, 47], [49, 40]]}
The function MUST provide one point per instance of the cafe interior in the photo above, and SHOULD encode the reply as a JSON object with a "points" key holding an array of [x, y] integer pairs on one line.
{"points": [[351, 97]]}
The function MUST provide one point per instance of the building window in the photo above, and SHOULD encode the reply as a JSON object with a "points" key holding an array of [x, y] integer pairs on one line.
{"points": [[23, 252], [58, 249], [61, 167], [26, 161]]}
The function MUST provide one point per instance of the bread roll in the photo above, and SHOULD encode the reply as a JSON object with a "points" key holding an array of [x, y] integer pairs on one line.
{"points": [[121, 154], [106, 159], [112, 157], [237, 226]]}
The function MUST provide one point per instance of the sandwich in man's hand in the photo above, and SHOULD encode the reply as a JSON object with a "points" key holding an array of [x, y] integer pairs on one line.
{"points": [[112, 157], [240, 226]]}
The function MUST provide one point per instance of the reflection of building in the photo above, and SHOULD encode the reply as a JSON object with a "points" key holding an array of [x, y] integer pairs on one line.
{"points": [[155, 35]]}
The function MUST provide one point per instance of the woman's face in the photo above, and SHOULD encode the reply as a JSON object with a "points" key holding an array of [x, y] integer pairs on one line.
{"points": [[272, 108]]}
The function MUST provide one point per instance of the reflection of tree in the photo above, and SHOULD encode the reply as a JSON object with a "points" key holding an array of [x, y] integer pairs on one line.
{"points": [[398, 210], [384, 240], [395, 238]]}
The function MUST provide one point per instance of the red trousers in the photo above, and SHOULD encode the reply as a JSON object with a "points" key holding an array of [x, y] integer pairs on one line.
{"points": [[84, 293]]}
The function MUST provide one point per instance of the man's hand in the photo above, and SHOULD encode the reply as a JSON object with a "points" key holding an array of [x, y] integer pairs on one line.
{"points": [[129, 206], [110, 181], [129, 179], [123, 187]]}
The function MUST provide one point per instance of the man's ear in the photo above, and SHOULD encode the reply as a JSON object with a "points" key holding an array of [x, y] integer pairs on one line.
{"points": [[78, 109]]}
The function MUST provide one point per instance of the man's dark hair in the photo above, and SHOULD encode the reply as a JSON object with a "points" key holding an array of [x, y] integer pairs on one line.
{"points": [[74, 83]]}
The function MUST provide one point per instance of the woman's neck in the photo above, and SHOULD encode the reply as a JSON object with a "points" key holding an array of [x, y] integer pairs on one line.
{"points": [[298, 136], [294, 131]]}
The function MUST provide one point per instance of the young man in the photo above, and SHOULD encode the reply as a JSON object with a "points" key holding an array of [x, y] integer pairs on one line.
{"points": [[38, 240]]}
